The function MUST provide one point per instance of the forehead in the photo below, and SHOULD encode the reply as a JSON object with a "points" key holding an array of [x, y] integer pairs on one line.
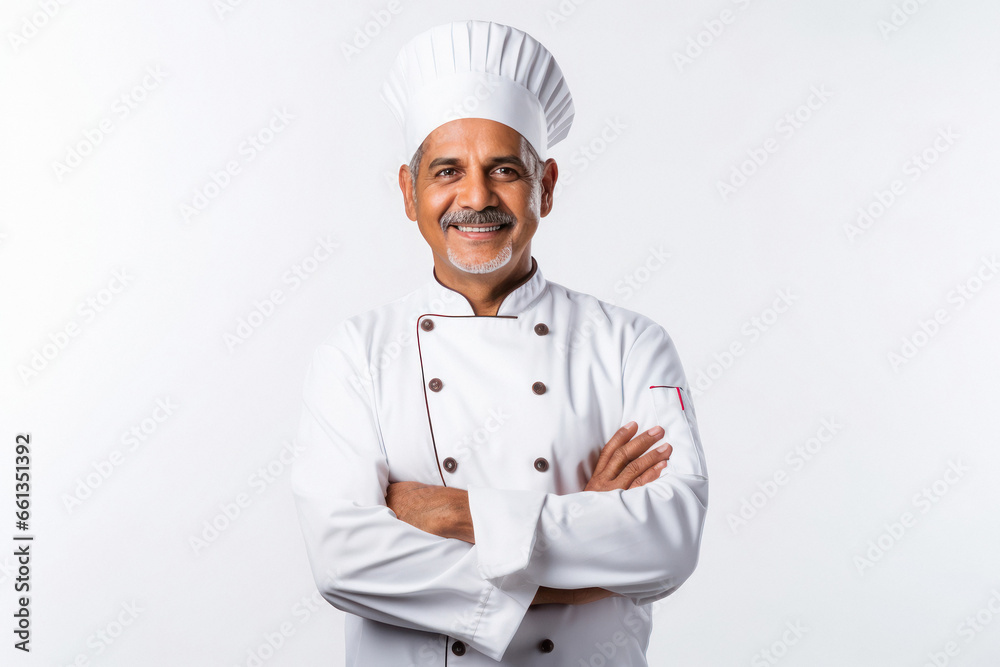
{"points": [[473, 137]]}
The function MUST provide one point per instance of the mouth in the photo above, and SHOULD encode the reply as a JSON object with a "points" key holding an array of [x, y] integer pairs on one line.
{"points": [[478, 231]]}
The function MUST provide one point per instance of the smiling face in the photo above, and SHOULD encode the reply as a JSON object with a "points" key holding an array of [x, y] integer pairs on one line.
{"points": [[476, 199]]}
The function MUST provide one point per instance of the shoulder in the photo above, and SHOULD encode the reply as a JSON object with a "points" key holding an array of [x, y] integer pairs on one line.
{"points": [[606, 317]]}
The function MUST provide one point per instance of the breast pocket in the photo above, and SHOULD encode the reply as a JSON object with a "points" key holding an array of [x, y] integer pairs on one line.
{"points": [[673, 414]]}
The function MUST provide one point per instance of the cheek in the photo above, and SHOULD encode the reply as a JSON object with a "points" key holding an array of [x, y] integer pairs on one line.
{"points": [[519, 200], [433, 201]]}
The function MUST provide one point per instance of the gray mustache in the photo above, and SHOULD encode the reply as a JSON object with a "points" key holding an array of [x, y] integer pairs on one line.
{"points": [[488, 216]]}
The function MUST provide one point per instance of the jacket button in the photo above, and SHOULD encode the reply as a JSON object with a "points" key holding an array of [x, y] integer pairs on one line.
{"points": [[450, 464], [427, 325], [546, 646], [538, 387], [435, 384], [541, 465], [458, 648], [541, 329]]}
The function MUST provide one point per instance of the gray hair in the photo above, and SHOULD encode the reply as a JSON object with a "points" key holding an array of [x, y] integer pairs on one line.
{"points": [[534, 164]]}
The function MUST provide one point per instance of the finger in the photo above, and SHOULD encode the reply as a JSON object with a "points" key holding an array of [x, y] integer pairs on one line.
{"points": [[621, 437], [651, 475], [642, 464], [630, 451]]}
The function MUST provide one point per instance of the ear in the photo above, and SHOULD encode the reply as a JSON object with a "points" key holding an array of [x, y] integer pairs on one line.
{"points": [[406, 186], [550, 175]]}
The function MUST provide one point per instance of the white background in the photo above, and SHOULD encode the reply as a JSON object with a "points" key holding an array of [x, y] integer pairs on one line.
{"points": [[673, 129]]}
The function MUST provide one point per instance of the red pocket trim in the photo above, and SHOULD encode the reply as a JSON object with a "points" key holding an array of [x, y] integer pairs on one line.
{"points": [[679, 396]]}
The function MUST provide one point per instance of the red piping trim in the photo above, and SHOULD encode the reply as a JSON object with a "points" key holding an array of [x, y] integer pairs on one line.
{"points": [[680, 397]]}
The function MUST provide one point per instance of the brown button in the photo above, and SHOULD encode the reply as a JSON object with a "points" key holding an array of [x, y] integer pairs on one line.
{"points": [[435, 384], [458, 648], [546, 646], [450, 464], [541, 329], [541, 465], [427, 325], [538, 387]]}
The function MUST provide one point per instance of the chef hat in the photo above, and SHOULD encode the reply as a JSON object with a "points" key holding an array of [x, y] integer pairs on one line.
{"points": [[479, 69]]}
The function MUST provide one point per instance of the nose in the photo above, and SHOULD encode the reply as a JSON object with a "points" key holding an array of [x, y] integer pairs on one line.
{"points": [[475, 191]]}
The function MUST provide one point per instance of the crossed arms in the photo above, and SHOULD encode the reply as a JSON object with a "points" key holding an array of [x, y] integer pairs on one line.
{"points": [[410, 555], [624, 463]]}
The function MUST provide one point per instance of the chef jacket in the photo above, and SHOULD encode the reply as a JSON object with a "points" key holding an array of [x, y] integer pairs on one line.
{"points": [[515, 408]]}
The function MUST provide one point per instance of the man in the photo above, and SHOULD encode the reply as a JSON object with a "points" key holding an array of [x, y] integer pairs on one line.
{"points": [[468, 492]]}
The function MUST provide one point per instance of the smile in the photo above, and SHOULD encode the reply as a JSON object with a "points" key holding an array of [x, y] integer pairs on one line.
{"points": [[478, 230]]}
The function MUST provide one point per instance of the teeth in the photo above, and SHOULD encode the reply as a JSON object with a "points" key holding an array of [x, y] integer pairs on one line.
{"points": [[479, 229]]}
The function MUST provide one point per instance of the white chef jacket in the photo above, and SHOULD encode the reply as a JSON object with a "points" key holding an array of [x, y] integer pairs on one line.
{"points": [[515, 408]]}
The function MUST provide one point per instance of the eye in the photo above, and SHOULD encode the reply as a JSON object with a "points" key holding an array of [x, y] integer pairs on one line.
{"points": [[506, 171], [447, 171]]}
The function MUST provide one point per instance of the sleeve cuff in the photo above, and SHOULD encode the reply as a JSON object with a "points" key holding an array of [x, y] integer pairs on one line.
{"points": [[502, 614], [504, 522]]}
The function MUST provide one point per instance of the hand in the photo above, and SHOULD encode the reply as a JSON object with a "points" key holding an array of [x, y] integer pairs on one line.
{"points": [[623, 465], [547, 595], [438, 510]]}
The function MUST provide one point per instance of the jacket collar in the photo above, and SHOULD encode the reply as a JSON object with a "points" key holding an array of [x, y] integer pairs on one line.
{"points": [[443, 300]]}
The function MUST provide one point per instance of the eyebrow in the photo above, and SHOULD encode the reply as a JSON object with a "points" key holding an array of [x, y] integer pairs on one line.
{"points": [[492, 162]]}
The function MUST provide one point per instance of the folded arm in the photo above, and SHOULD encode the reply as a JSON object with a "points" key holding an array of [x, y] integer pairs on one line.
{"points": [[626, 462], [642, 542], [364, 559]]}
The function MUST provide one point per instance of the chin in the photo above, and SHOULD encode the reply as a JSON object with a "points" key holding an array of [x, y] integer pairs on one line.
{"points": [[487, 266]]}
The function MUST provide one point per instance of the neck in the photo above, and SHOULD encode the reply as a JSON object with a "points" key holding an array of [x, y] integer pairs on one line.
{"points": [[484, 291]]}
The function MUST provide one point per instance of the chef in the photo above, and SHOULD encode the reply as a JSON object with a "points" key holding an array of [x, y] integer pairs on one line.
{"points": [[497, 469]]}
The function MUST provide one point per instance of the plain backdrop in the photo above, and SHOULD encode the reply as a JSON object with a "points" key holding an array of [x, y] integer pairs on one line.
{"points": [[821, 175]]}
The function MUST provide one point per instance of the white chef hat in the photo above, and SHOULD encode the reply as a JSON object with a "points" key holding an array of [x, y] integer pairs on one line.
{"points": [[479, 69]]}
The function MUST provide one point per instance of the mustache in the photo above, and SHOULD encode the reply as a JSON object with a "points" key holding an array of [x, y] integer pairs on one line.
{"points": [[488, 216]]}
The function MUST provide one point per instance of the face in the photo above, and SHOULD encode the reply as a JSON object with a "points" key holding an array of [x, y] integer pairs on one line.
{"points": [[474, 176]]}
